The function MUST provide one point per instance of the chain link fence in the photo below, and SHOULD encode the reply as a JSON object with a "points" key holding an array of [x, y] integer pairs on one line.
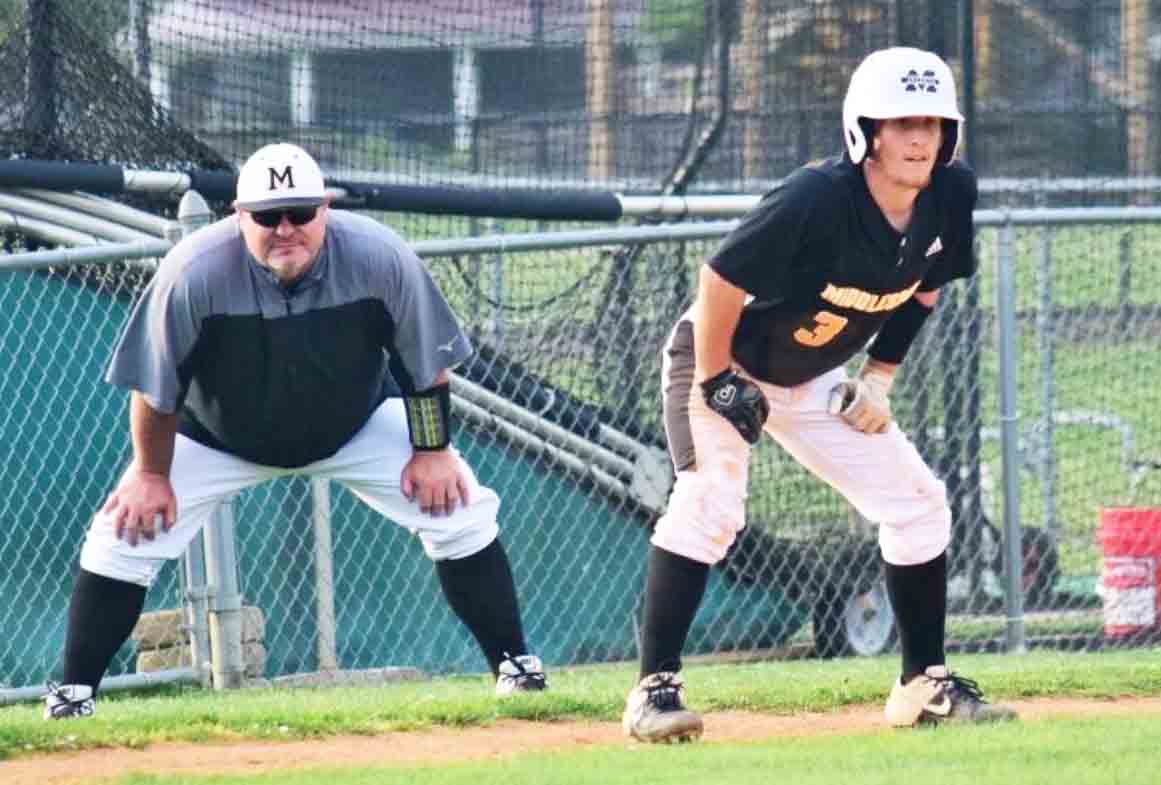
{"points": [[559, 411]]}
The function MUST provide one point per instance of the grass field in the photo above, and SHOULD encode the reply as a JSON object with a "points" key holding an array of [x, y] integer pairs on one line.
{"points": [[1094, 749], [1031, 753]]}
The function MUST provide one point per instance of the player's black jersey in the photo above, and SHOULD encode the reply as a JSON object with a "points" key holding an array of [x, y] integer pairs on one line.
{"points": [[826, 268]]}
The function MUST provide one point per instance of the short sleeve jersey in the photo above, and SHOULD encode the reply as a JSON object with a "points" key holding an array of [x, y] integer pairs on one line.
{"points": [[826, 268], [284, 376]]}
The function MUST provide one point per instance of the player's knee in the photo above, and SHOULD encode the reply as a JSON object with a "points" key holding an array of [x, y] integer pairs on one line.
{"points": [[705, 513], [469, 531], [933, 491], [110, 563], [104, 553], [917, 541]]}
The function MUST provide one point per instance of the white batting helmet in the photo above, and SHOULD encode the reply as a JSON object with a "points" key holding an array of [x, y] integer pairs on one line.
{"points": [[900, 82]]}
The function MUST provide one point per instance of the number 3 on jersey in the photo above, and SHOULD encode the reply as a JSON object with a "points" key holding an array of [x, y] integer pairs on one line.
{"points": [[826, 326]]}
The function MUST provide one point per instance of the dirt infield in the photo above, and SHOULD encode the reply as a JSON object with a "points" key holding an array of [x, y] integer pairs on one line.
{"points": [[503, 739]]}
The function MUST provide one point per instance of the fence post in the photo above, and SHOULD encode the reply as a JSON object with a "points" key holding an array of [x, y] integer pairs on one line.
{"points": [[197, 608], [324, 573], [192, 214], [1046, 322], [1009, 427], [42, 80], [1124, 282], [225, 601]]}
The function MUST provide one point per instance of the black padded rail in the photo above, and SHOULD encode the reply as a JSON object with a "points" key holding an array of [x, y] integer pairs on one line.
{"points": [[61, 176], [493, 203]]}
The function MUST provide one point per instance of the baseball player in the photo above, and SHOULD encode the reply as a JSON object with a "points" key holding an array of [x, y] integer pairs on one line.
{"points": [[263, 347], [846, 254]]}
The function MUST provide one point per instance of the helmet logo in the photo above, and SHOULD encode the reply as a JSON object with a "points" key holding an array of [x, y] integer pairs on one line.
{"points": [[927, 82]]}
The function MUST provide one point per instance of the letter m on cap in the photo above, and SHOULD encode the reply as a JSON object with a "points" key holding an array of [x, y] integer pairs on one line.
{"points": [[286, 179]]}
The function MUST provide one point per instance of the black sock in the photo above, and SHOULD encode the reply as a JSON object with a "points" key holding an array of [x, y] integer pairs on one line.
{"points": [[481, 592], [918, 595], [674, 587], [102, 614]]}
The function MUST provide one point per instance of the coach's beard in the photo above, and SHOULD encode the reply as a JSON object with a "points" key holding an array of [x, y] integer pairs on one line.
{"points": [[289, 263]]}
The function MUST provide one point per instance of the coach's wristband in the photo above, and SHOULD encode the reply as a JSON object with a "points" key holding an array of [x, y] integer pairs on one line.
{"points": [[429, 417]]}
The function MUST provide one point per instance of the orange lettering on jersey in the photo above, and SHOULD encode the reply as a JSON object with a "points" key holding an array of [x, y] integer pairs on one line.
{"points": [[827, 326], [858, 300]]}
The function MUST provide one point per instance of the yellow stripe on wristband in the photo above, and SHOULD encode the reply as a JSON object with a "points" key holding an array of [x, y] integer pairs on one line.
{"points": [[427, 418]]}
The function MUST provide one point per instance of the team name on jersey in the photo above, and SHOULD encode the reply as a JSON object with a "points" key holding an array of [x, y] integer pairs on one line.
{"points": [[858, 300]]}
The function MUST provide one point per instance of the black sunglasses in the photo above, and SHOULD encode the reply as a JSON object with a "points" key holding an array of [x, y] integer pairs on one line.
{"points": [[296, 215]]}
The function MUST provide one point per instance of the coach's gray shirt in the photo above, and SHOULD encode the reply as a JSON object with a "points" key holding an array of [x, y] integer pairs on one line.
{"points": [[285, 376]]}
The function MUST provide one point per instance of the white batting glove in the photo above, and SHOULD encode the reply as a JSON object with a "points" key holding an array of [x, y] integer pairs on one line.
{"points": [[863, 401]]}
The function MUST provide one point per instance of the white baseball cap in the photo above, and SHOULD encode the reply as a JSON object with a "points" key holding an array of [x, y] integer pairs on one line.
{"points": [[280, 175]]}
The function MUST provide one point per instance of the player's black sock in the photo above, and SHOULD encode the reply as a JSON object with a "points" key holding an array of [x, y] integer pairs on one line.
{"points": [[102, 613], [480, 590], [918, 595], [674, 587]]}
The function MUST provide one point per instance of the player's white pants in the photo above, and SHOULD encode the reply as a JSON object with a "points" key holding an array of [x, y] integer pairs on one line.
{"points": [[369, 465], [882, 475]]}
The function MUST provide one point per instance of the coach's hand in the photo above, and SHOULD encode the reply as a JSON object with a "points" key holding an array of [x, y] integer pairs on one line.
{"points": [[863, 401], [142, 503], [739, 401], [434, 479]]}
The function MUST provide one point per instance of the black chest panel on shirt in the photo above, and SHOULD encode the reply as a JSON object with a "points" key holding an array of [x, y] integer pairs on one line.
{"points": [[287, 391], [842, 270]]}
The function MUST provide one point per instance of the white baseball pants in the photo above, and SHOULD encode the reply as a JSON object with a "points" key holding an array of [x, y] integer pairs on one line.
{"points": [[882, 475], [369, 465]]}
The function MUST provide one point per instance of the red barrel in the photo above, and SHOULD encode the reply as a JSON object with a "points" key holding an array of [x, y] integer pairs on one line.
{"points": [[1131, 540]]}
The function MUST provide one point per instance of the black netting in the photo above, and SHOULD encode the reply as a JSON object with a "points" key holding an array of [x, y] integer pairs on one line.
{"points": [[80, 102], [731, 94]]}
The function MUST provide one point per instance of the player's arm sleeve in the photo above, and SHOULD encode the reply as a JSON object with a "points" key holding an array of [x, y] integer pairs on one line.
{"points": [[960, 258], [158, 337], [899, 331], [758, 255], [424, 335]]}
